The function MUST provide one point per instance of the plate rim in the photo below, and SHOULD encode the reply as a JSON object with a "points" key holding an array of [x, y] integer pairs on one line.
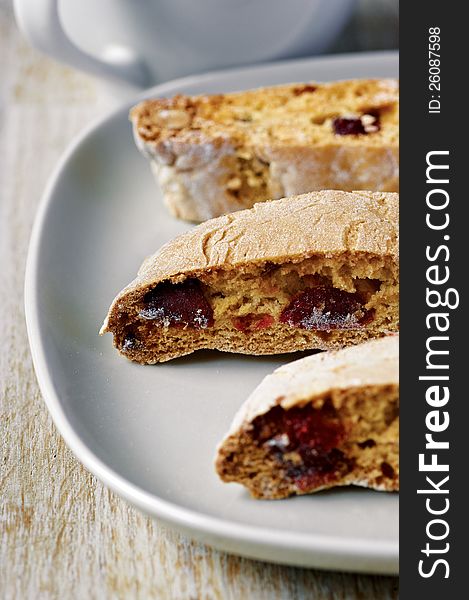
{"points": [[329, 550]]}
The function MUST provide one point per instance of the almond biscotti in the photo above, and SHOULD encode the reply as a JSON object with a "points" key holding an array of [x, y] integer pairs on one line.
{"points": [[212, 155], [317, 271], [331, 419]]}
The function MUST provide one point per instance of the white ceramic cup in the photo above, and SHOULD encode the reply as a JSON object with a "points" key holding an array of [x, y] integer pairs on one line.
{"points": [[137, 43]]}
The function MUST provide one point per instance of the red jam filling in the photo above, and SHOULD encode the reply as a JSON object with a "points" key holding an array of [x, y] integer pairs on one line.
{"points": [[323, 308], [311, 434], [252, 322], [178, 304], [355, 125]]}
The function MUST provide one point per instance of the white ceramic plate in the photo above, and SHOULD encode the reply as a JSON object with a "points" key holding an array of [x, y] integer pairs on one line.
{"points": [[150, 433]]}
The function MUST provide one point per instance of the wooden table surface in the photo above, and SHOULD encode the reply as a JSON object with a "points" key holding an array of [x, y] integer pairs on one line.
{"points": [[62, 533]]}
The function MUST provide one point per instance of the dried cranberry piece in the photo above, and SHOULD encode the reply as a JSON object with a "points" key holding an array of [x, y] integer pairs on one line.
{"points": [[356, 125], [178, 304], [305, 426], [387, 470], [348, 126], [323, 308], [370, 443], [252, 322], [331, 467], [313, 434], [304, 89]]}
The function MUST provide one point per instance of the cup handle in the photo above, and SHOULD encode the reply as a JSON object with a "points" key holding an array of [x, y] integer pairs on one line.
{"points": [[40, 22]]}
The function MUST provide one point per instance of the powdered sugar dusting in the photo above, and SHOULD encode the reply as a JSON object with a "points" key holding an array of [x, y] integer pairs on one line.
{"points": [[200, 319], [323, 308], [159, 314], [323, 321]]}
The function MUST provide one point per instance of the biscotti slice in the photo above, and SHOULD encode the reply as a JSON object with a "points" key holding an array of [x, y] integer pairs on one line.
{"points": [[212, 155], [331, 419], [317, 271]]}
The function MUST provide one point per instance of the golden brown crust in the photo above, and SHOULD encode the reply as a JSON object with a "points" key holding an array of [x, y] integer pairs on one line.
{"points": [[373, 363], [216, 154], [327, 223], [348, 235], [361, 384]]}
